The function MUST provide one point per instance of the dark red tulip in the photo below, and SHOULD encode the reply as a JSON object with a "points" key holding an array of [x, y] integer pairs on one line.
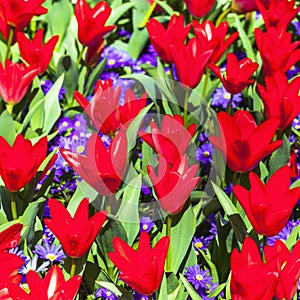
{"points": [[20, 162], [141, 269], [251, 278], [292, 163], [10, 237], [76, 234], [281, 98], [244, 142], [161, 38], [173, 138], [34, 52], [238, 73], [268, 206], [173, 185], [199, 9], [244, 6], [101, 168]]}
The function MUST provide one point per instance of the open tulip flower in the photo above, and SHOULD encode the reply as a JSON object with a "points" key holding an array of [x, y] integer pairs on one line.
{"points": [[10, 237], [20, 162], [244, 142], [141, 269], [281, 98], [76, 234], [199, 8], [269, 206], [101, 168], [251, 278], [161, 38], [52, 287], [238, 73]]}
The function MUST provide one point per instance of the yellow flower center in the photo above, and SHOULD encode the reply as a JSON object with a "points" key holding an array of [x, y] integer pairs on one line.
{"points": [[199, 245], [51, 256], [227, 96], [199, 277]]}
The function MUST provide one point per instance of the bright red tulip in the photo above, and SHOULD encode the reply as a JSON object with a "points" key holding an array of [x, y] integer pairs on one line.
{"points": [[199, 9], [244, 142], [292, 163], [190, 61], [214, 38], [101, 168], [20, 162], [173, 185], [238, 73], [281, 98], [91, 22], [288, 266], [277, 51], [244, 6], [15, 80], [268, 207], [161, 38], [278, 14], [52, 287], [76, 234], [18, 13], [34, 52], [10, 237], [173, 138], [251, 279], [141, 269]]}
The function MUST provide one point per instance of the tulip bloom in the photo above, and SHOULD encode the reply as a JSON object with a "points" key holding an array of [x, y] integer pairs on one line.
{"points": [[34, 52], [101, 168], [76, 234], [244, 6], [244, 142], [199, 9], [214, 38], [277, 51], [161, 38], [141, 269], [174, 185], [250, 277], [10, 237], [15, 80], [288, 266], [190, 61], [20, 162], [52, 287], [238, 73], [281, 98], [268, 207], [173, 138]]}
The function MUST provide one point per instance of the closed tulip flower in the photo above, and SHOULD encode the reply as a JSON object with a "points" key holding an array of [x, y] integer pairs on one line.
{"points": [[198, 8], [244, 6]]}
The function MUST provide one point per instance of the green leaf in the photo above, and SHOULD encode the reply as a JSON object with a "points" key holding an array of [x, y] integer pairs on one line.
{"points": [[110, 286], [217, 291], [137, 42], [212, 267], [293, 237], [118, 12], [194, 295], [7, 127], [263, 171]]}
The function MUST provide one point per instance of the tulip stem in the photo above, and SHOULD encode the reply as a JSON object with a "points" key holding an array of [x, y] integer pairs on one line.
{"points": [[205, 82], [222, 16], [9, 42], [10, 108], [168, 233], [80, 56], [185, 107], [265, 240], [148, 15], [14, 206], [236, 180], [230, 108], [73, 267]]}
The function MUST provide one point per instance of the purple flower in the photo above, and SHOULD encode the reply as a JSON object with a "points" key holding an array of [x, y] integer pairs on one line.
{"points": [[46, 85], [19, 253], [147, 59], [64, 124], [198, 278], [228, 189], [52, 253], [32, 265], [203, 137], [116, 58], [48, 236], [204, 153], [151, 50], [124, 34], [296, 25], [110, 75], [105, 294], [106, 139], [80, 123], [138, 296], [293, 72], [221, 98], [200, 243], [146, 224]]}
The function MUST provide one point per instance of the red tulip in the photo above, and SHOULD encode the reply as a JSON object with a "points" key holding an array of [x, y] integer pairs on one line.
{"points": [[292, 163], [198, 8], [52, 287], [10, 237], [174, 185], [161, 38], [18, 13], [281, 98], [251, 279], [214, 38], [278, 14], [101, 168], [20, 162], [141, 269], [288, 266], [277, 51], [244, 6], [190, 61], [268, 207], [244, 142], [173, 138], [91, 22], [238, 73], [34, 52], [15, 80], [76, 234]]}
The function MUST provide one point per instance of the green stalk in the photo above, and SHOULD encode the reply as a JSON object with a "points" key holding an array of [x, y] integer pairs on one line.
{"points": [[73, 267], [148, 15], [168, 233], [80, 56], [222, 16], [185, 107], [230, 108], [10, 107], [205, 82], [9, 42], [236, 180], [14, 206]]}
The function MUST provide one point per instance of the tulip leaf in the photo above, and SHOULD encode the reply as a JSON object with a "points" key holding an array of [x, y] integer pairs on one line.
{"points": [[110, 286], [7, 127], [293, 237], [128, 213], [137, 42], [163, 291], [212, 267], [217, 291], [263, 171], [193, 294], [118, 12]]}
